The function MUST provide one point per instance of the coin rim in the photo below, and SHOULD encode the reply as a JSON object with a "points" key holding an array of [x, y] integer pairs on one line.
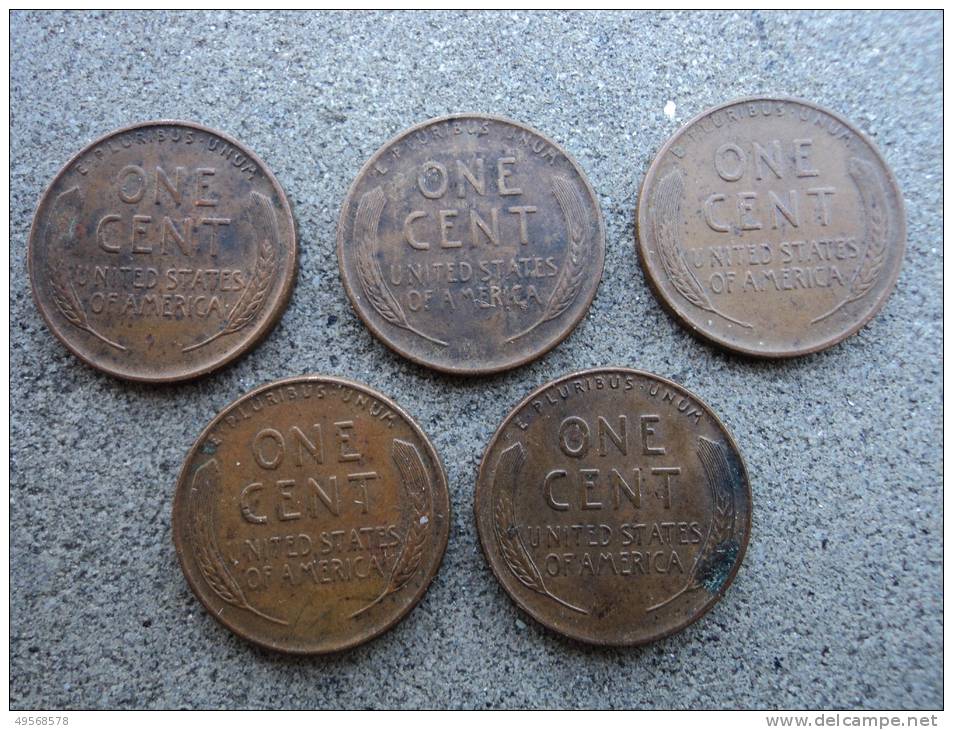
{"points": [[378, 332], [178, 508], [481, 488], [263, 328], [641, 247]]}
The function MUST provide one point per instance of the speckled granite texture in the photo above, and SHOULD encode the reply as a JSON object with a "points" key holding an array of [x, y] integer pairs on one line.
{"points": [[838, 603]]}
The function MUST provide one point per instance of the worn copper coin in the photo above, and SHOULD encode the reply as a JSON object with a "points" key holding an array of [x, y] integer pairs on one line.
{"points": [[162, 251], [613, 506], [311, 515], [771, 226], [471, 244]]}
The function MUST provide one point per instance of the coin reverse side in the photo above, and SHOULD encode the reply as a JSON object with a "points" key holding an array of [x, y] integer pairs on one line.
{"points": [[471, 244], [311, 515], [162, 251], [613, 506], [771, 226]]}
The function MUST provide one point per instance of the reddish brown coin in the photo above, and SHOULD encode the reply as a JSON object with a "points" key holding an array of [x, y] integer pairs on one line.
{"points": [[471, 244], [311, 515], [162, 251], [771, 226], [613, 506]]}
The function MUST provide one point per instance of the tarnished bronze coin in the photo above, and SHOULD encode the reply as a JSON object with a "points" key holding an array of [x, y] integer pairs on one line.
{"points": [[771, 226], [162, 251], [613, 506], [311, 515], [471, 244]]}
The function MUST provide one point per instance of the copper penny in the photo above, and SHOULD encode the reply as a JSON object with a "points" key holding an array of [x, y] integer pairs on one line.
{"points": [[311, 515], [613, 506], [771, 226], [162, 251], [471, 244]]}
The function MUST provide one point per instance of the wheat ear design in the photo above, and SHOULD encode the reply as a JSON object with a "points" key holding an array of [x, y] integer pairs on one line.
{"points": [[577, 224], [202, 500], [875, 207], [416, 483], [256, 291], [665, 204], [62, 222], [721, 530], [366, 222], [507, 533]]}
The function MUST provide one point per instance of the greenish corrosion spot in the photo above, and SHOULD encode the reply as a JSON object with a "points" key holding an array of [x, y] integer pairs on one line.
{"points": [[209, 448], [717, 568]]}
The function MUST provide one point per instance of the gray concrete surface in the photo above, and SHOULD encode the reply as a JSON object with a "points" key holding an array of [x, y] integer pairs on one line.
{"points": [[838, 603]]}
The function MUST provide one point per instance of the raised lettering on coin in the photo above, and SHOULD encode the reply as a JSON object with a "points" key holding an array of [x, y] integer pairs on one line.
{"points": [[613, 506], [771, 227], [162, 251], [311, 515], [471, 244]]}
